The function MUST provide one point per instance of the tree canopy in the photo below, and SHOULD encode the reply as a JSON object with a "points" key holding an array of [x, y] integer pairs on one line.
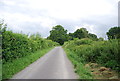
{"points": [[81, 33], [113, 33], [58, 34], [93, 36]]}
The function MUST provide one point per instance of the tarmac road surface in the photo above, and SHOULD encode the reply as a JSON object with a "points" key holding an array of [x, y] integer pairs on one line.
{"points": [[53, 65]]}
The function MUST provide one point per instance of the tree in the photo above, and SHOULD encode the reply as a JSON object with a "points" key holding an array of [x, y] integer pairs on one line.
{"points": [[93, 36], [58, 34], [113, 33], [71, 36], [81, 33], [100, 39], [3, 26]]}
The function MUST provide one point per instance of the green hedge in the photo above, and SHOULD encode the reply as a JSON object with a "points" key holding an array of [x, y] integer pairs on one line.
{"points": [[17, 45], [105, 53]]}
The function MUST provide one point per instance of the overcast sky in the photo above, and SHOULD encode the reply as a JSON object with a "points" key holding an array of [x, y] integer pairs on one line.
{"points": [[31, 16]]}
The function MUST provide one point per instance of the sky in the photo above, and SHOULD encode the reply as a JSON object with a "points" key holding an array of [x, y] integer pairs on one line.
{"points": [[119, 13], [31, 16]]}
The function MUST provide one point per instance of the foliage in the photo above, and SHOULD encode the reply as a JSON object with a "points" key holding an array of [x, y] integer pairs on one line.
{"points": [[105, 53], [20, 50], [82, 33], [114, 33], [58, 34], [70, 36], [1, 30], [0, 70], [100, 39], [2, 26], [84, 73], [92, 36], [17, 45]]}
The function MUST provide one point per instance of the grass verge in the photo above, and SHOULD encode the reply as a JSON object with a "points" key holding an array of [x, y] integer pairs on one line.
{"points": [[84, 73], [0, 69], [11, 68]]}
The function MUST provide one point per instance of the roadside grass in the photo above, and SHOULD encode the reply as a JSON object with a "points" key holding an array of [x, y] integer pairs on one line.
{"points": [[0, 69], [83, 51], [11, 68], [83, 73]]}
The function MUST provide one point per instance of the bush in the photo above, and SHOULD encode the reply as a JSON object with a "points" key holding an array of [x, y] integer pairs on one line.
{"points": [[17, 45], [105, 53]]}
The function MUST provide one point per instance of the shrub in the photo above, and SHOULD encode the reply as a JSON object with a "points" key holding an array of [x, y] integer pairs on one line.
{"points": [[17, 45], [105, 53]]}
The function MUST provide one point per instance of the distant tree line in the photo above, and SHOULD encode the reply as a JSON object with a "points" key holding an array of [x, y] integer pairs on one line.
{"points": [[82, 33], [59, 34]]}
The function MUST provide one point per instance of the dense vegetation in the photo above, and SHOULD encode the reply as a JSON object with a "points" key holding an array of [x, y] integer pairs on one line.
{"points": [[103, 52], [81, 47], [17, 46], [59, 34], [114, 33], [82, 51], [82, 33]]}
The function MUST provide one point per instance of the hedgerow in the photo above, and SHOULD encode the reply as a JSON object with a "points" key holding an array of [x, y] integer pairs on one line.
{"points": [[17, 45], [85, 50]]}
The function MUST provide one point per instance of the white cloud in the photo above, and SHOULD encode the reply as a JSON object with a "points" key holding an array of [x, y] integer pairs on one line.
{"points": [[21, 18], [8, 2], [45, 14], [90, 28]]}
